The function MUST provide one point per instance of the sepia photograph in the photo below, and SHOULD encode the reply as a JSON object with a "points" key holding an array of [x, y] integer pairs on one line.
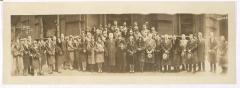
{"points": [[93, 43], [119, 43]]}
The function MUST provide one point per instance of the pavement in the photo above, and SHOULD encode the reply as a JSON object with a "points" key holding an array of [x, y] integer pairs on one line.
{"points": [[75, 72]]}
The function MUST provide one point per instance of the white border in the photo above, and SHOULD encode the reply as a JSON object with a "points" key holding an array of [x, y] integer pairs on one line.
{"points": [[104, 0], [128, 86]]}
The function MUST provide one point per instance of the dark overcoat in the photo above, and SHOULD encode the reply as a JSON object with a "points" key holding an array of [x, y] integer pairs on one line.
{"points": [[212, 51], [121, 53], [201, 50], [131, 52], [111, 52], [176, 53], [192, 54]]}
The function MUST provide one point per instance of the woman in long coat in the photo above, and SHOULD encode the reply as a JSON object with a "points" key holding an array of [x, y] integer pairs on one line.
{"points": [[83, 53], [26, 57], [201, 52], [222, 49], [104, 39], [59, 56], [99, 53], [131, 51], [17, 51], [150, 49], [111, 51], [118, 50], [43, 56], [167, 46], [13, 70], [14, 60], [191, 54], [176, 54], [65, 51], [183, 48], [35, 58], [121, 55], [76, 52], [141, 53], [212, 52], [158, 53], [137, 36], [50, 55], [70, 48], [91, 54]]}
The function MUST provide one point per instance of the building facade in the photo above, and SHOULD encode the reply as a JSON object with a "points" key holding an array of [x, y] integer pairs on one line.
{"points": [[41, 26]]}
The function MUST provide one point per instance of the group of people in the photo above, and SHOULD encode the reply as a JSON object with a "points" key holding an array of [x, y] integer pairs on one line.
{"points": [[114, 48]]}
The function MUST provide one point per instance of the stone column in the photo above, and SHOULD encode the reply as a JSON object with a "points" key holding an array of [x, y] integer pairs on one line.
{"points": [[41, 27], [58, 27]]}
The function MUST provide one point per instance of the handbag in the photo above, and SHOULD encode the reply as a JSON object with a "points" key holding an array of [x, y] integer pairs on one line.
{"points": [[150, 55], [165, 56], [189, 55]]}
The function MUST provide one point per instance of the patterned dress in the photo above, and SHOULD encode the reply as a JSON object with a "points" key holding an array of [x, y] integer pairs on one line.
{"points": [[150, 47], [183, 48], [91, 52], [192, 54], [167, 46], [99, 52], [42, 50], [51, 54]]}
